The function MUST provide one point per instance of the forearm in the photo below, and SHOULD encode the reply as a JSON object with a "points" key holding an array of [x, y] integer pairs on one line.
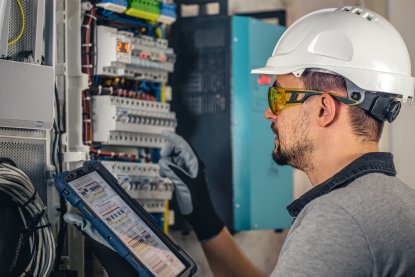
{"points": [[226, 259], [183, 167]]}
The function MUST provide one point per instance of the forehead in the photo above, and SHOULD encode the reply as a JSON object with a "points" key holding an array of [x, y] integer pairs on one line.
{"points": [[288, 81]]}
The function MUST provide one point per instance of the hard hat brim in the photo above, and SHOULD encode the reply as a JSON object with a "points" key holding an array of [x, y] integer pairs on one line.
{"points": [[271, 70], [370, 80]]}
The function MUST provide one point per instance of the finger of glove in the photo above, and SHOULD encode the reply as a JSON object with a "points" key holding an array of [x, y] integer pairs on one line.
{"points": [[183, 195], [85, 226], [75, 219], [178, 151]]}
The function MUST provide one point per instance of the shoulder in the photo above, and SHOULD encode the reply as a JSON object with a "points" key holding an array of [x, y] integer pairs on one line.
{"points": [[325, 240], [325, 213], [375, 194]]}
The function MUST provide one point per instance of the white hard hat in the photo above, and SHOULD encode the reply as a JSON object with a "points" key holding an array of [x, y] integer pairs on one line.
{"points": [[353, 42]]}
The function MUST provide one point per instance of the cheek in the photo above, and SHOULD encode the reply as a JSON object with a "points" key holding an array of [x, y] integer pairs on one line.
{"points": [[293, 129]]}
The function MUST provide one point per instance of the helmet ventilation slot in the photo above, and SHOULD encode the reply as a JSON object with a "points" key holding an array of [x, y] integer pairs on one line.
{"points": [[358, 11], [369, 16]]}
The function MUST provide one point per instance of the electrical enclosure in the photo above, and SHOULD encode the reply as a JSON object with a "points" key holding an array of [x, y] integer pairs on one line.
{"points": [[28, 91], [220, 106]]}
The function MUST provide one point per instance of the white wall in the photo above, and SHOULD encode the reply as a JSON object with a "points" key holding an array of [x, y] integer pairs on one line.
{"points": [[402, 133]]}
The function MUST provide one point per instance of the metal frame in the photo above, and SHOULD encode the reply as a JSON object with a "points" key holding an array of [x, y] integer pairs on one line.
{"points": [[4, 26], [68, 70], [40, 21], [49, 51]]}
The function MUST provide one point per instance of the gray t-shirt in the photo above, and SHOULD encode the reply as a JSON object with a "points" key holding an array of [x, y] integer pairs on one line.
{"points": [[364, 229]]}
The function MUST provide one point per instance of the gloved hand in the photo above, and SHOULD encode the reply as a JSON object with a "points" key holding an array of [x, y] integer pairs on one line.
{"points": [[183, 167], [113, 263], [83, 225]]}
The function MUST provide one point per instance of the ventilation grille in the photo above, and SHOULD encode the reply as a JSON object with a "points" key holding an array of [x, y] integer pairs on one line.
{"points": [[27, 42], [204, 89], [360, 12], [28, 149]]}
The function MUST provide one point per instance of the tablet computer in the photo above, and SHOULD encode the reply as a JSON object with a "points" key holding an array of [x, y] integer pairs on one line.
{"points": [[127, 227]]}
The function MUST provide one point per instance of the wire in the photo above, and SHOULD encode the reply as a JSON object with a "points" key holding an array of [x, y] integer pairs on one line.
{"points": [[86, 117], [32, 210], [119, 156], [166, 217], [88, 32], [22, 30], [57, 150]]}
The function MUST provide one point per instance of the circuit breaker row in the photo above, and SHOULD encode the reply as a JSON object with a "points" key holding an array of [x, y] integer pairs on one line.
{"points": [[141, 180], [123, 54], [130, 116]]}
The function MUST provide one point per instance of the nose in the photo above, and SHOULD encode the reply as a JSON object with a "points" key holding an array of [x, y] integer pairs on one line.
{"points": [[269, 115]]}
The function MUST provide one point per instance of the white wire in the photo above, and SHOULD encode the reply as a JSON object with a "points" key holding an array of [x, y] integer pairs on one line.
{"points": [[17, 184]]}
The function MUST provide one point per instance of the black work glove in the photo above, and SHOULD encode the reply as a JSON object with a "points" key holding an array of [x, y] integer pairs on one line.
{"points": [[183, 167]]}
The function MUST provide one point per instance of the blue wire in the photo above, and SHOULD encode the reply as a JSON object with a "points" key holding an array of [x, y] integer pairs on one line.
{"points": [[126, 19], [155, 86], [157, 89], [96, 79], [144, 86]]}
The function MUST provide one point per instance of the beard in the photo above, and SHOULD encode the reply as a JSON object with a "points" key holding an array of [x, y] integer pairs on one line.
{"points": [[299, 151]]}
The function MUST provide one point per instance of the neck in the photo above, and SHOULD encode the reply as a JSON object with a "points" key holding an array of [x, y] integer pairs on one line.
{"points": [[327, 161]]}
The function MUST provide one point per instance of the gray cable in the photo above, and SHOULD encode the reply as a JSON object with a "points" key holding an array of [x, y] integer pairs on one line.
{"points": [[17, 184]]}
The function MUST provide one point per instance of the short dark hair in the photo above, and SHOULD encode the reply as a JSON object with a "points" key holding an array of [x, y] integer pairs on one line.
{"points": [[363, 125]]}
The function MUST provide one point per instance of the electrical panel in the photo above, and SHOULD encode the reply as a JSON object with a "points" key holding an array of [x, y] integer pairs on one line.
{"points": [[220, 106], [127, 60]]}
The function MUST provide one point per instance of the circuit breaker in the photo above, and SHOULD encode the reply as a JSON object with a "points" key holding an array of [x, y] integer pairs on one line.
{"points": [[219, 108]]}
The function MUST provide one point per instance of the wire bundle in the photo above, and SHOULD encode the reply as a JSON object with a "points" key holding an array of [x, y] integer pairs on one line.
{"points": [[18, 186]]}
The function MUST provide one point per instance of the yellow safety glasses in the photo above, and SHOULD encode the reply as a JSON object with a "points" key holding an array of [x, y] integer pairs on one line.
{"points": [[281, 98]]}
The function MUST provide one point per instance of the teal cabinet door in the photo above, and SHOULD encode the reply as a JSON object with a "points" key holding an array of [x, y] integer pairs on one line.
{"points": [[262, 189]]}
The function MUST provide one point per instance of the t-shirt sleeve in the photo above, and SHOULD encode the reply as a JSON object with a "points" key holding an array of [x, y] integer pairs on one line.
{"points": [[326, 242]]}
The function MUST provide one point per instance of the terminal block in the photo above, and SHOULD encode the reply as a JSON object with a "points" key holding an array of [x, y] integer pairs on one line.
{"points": [[141, 180], [118, 6], [113, 113], [133, 72], [132, 139], [145, 9], [153, 205], [167, 13], [132, 169]]}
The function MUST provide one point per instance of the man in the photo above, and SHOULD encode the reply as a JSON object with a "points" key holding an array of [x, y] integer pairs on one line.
{"points": [[338, 74]]}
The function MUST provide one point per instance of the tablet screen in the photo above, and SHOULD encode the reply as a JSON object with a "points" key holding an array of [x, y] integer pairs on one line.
{"points": [[127, 226]]}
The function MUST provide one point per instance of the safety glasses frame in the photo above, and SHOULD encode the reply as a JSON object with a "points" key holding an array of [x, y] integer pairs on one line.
{"points": [[280, 98]]}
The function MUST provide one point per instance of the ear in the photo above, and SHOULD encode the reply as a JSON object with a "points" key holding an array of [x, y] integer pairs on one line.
{"points": [[327, 110]]}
